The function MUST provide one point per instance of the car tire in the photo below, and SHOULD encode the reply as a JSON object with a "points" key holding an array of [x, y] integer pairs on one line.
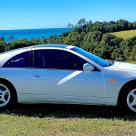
{"points": [[127, 100], [8, 97]]}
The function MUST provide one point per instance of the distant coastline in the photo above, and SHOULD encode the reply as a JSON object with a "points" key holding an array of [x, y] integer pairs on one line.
{"points": [[9, 35]]}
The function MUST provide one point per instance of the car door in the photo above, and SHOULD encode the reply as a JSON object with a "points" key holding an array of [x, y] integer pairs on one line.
{"points": [[58, 76], [17, 71]]}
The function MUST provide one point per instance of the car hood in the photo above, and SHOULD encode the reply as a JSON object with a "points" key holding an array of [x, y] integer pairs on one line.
{"points": [[123, 66]]}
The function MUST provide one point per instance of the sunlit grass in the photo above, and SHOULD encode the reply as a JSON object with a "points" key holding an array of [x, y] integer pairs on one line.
{"points": [[66, 120], [132, 62], [125, 34]]}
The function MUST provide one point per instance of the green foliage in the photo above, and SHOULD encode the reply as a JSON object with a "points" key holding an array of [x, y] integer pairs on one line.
{"points": [[20, 43], [55, 39], [94, 37], [82, 22], [128, 46], [3, 45], [73, 38], [133, 54], [112, 26], [110, 40]]}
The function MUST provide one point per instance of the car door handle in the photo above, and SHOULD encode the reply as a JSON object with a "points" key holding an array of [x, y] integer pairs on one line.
{"points": [[37, 76]]}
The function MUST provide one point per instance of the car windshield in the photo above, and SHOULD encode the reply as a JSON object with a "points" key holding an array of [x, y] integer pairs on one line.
{"points": [[96, 59]]}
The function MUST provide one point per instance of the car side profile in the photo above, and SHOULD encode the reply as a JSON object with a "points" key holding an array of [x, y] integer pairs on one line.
{"points": [[62, 74]]}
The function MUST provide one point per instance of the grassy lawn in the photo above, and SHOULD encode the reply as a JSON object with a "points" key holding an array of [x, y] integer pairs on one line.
{"points": [[125, 34], [66, 120]]}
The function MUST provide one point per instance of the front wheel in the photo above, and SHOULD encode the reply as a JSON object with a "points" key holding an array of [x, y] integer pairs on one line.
{"points": [[131, 100], [7, 94], [127, 100]]}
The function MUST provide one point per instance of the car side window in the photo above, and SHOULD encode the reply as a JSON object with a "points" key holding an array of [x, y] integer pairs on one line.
{"points": [[18, 61], [57, 59]]}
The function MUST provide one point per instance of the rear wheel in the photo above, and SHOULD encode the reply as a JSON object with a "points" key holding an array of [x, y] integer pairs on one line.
{"points": [[7, 95]]}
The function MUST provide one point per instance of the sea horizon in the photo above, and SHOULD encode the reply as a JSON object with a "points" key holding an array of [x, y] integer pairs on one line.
{"points": [[36, 33]]}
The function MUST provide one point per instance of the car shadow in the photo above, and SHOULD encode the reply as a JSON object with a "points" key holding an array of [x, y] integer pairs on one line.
{"points": [[69, 111]]}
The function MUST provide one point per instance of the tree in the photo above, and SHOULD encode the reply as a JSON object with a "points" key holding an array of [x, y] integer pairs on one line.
{"points": [[95, 36], [133, 54], [55, 39], [2, 46], [128, 46], [123, 24], [111, 40], [70, 25], [82, 22], [20, 43], [134, 25], [73, 38]]}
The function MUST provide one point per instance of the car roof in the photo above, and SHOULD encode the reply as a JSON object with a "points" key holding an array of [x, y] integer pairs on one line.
{"points": [[62, 46], [51, 46]]}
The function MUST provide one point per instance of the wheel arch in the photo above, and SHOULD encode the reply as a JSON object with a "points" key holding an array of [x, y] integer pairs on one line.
{"points": [[126, 86], [3, 80]]}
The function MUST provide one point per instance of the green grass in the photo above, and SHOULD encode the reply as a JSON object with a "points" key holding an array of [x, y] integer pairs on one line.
{"points": [[125, 34], [132, 62], [65, 120]]}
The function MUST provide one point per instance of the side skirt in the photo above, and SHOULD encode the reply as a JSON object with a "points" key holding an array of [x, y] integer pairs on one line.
{"points": [[37, 99]]}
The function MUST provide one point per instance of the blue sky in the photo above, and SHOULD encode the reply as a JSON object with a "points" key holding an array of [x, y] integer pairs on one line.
{"points": [[25, 14]]}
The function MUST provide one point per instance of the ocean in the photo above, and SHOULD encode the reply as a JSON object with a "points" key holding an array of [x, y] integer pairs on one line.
{"points": [[10, 35]]}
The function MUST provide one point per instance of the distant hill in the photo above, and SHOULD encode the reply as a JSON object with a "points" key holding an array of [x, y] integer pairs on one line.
{"points": [[125, 34]]}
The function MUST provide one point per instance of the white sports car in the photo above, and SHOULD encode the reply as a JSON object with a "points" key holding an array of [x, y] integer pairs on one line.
{"points": [[56, 73]]}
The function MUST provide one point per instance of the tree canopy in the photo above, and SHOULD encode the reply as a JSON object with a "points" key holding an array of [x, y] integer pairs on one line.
{"points": [[93, 37]]}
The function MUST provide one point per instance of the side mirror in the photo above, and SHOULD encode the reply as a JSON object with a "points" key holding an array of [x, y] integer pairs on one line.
{"points": [[88, 67]]}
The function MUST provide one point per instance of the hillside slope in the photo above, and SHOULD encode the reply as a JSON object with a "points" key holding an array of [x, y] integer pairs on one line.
{"points": [[125, 34]]}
